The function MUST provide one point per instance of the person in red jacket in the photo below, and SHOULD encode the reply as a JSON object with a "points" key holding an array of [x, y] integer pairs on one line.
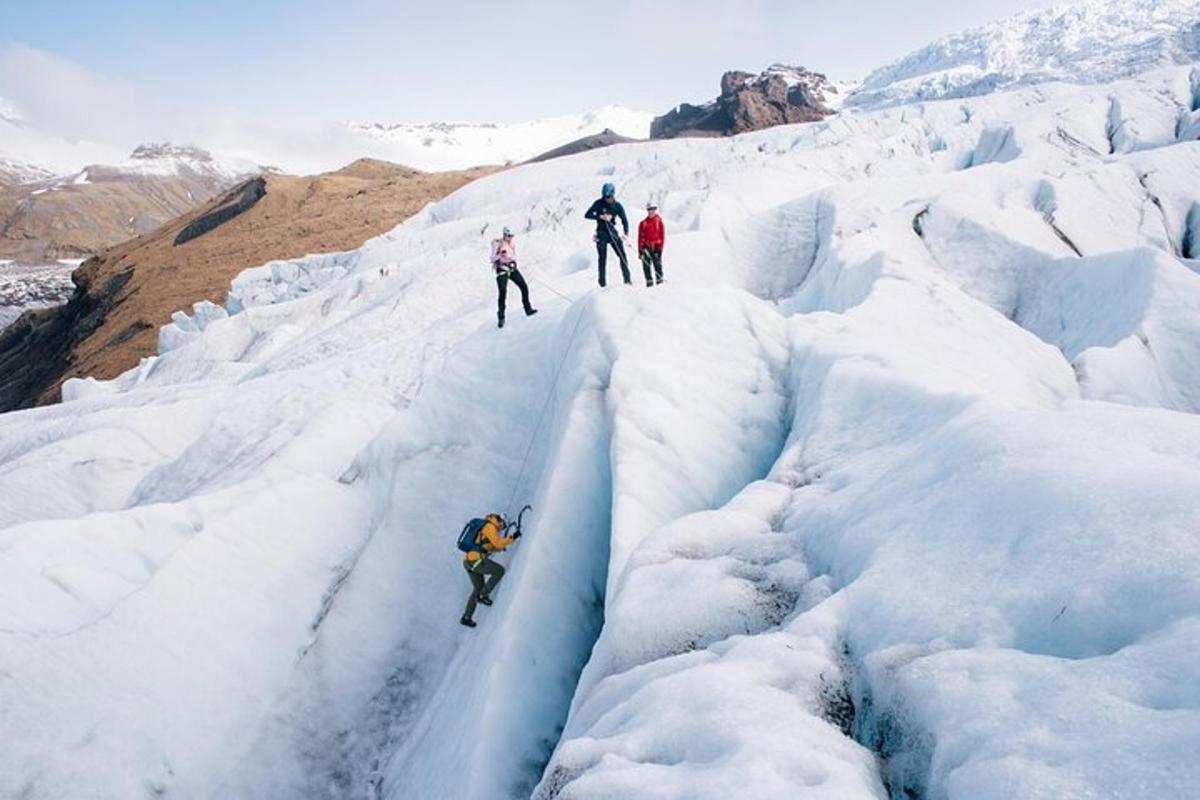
{"points": [[651, 238]]}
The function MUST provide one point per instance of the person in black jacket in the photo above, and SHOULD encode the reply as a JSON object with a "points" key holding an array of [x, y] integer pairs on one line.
{"points": [[605, 211]]}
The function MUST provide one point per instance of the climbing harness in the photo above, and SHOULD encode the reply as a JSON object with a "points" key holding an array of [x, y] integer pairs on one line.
{"points": [[613, 236]]}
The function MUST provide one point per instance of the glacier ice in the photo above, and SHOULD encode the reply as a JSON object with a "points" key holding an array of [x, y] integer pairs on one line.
{"points": [[890, 488]]}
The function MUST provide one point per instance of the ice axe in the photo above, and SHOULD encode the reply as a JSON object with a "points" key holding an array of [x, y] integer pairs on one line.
{"points": [[521, 518]]}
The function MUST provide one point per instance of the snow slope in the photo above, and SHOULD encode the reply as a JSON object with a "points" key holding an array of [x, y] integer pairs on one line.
{"points": [[891, 488], [1088, 41], [444, 146]]}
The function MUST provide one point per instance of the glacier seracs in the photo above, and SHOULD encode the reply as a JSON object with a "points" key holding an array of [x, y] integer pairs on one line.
{"points": [[891, 487]]}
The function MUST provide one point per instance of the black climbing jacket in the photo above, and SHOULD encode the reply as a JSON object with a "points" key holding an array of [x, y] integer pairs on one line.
{"points": [[600, 207]]}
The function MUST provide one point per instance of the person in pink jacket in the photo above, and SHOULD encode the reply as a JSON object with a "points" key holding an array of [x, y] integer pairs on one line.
{"points": [[504, 264]]}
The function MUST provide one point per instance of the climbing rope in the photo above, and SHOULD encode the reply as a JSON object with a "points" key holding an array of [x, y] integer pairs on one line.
{"points": [[542, 414], [550, 286]]}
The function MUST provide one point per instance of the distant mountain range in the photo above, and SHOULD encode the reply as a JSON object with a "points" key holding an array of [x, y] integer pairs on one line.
{"points": [[45, 217], [67, 199], [441, 145]]}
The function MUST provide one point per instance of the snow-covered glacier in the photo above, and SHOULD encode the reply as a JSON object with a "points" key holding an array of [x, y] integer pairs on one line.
{"points": [[1087, 41], [889, 491]]}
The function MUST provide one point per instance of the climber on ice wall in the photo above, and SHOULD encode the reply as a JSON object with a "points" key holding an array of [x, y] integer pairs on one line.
{"points": [[480, 540]]}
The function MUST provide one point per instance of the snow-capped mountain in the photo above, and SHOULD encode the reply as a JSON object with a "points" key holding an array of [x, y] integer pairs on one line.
{"points": [[13, 172], [31, 154], [1093, 41], [823, 90], [889, 491], [166, 158], [51, 206], [65, 198], [779, 95], [445, 146], [45, 216], [155, 159]]}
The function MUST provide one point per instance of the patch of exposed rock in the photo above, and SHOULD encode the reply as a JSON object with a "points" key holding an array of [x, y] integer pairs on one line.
{"points": [[606, 138], [780, 95]]}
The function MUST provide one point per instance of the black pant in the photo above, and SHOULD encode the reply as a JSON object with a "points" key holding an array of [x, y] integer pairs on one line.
{"points": [[502, 279], [652, 257], [602, 244], [476, 570]]}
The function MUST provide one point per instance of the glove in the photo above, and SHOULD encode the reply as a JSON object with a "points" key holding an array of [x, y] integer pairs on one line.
{"points": [[517, 535]]}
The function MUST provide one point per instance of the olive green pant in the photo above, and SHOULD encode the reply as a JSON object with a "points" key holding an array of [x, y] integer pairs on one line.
{"points": [[479, 588]]}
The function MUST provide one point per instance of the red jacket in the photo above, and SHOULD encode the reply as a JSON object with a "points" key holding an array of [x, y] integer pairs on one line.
{"points": [[651, 233]]}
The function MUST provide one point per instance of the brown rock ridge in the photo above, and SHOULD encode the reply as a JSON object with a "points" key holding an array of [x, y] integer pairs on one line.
{"points": [[125, 294], [781, 95], [606, 138]]}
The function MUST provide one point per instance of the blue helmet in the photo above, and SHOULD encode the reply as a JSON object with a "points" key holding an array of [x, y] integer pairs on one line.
{"points": [[608, 190]]}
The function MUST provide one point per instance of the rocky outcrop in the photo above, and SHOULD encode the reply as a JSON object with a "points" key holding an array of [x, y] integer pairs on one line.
{"points": [[125, 294], [780, 95], [35, 351], [236, 202]]}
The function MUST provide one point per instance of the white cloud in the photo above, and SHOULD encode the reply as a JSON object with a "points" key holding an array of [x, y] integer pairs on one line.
{"points": [[56, 94], [71, 116]]}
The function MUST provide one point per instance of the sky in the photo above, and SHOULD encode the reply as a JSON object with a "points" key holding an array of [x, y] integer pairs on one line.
{"points": [[468, 61], [224, 69]]}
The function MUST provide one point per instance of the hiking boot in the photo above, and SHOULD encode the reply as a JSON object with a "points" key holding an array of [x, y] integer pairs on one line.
{"points": [[529, 312], [484, 599], [470, 623]]}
